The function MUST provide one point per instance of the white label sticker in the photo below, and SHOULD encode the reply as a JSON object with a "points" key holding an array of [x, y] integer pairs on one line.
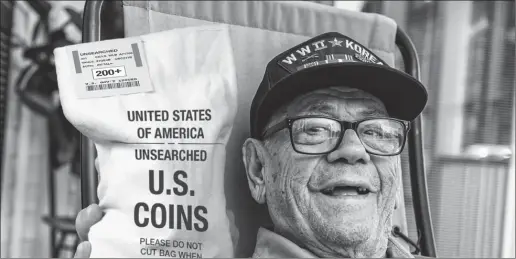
{"points": [[109, 68]]}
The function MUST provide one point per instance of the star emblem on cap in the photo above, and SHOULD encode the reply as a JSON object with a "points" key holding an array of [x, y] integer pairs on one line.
{"points": [[335, 42]]}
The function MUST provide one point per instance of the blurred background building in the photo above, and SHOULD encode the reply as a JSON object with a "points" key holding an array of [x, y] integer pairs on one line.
{"points": [[466, 50]]}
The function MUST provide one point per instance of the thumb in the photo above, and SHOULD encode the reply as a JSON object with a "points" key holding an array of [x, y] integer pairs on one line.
{"points": [[83, 250]]}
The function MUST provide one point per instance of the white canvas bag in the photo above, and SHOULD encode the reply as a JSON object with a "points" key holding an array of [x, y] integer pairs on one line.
{"points": [[160, 109]]}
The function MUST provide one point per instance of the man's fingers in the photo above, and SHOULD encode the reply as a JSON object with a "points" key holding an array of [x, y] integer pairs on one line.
{"points": [[83, 250], [87, 218]]}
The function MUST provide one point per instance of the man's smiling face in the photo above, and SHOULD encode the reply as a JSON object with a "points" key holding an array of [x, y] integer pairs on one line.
{"points": [[337, 204]]}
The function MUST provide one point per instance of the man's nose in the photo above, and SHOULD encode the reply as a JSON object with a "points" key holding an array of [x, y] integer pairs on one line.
{"points": [[350, 149]]}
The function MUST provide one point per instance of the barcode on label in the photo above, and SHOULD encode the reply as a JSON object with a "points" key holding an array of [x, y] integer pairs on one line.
{"points": [[112, 85]]}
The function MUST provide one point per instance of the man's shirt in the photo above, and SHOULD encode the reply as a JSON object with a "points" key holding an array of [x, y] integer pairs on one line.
{"points": [[272, 245]]}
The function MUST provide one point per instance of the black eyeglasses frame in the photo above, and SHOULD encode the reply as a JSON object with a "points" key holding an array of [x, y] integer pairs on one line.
{"points": [[345, 125]]}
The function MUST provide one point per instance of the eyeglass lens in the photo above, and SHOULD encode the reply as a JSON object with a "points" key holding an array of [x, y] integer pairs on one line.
{"points": [[320, 135]]}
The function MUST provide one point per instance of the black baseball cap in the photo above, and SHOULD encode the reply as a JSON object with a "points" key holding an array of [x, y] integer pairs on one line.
{"points": [[332, 59]]}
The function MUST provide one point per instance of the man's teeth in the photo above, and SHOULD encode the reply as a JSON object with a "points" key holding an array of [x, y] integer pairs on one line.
{"points": [[345, 190], [361, 190]]}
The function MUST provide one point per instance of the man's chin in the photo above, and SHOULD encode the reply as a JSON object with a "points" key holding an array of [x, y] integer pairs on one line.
{"points": [[344, 238], [346, 221]]}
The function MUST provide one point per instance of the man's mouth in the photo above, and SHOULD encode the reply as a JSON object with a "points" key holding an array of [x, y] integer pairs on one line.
{"points": [[345, 191], [347, 187]]}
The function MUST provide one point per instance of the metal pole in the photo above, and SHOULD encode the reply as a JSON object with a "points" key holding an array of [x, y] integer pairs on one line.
{"points": [[416, 159], [89, 179], [51, 196]]}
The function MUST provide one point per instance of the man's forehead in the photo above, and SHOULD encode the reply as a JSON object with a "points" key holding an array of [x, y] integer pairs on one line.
{"points": [[335, 100]]}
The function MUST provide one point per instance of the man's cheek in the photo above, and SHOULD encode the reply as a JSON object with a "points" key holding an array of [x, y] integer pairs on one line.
{"points": [[388, 172], [387, 168], [294, 167]]}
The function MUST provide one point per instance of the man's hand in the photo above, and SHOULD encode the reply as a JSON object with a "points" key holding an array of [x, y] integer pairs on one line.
{"points": [[84, 221]]}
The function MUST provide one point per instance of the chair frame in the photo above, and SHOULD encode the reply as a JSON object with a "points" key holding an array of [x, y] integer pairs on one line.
{"points": [[89, 180]]}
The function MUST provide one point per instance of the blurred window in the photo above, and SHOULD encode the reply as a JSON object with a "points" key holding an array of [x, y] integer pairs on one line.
{"points": [[490, 75], [466, 51]]}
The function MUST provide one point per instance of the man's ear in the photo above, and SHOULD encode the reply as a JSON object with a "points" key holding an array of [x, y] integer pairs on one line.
{"points": [[254, 156], [399, 193]]}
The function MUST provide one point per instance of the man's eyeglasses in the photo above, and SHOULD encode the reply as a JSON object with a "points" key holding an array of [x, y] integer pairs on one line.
{"points": [[316, 135]]}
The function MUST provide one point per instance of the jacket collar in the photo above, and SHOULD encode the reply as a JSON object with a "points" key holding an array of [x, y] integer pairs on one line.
{"points": [[272, 245]]}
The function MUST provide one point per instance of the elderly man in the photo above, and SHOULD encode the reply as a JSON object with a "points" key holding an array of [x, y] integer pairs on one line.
{"points": [[328, 123]]}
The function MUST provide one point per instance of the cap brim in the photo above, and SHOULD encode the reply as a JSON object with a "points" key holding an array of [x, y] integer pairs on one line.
{"points": [[403, 96]]}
